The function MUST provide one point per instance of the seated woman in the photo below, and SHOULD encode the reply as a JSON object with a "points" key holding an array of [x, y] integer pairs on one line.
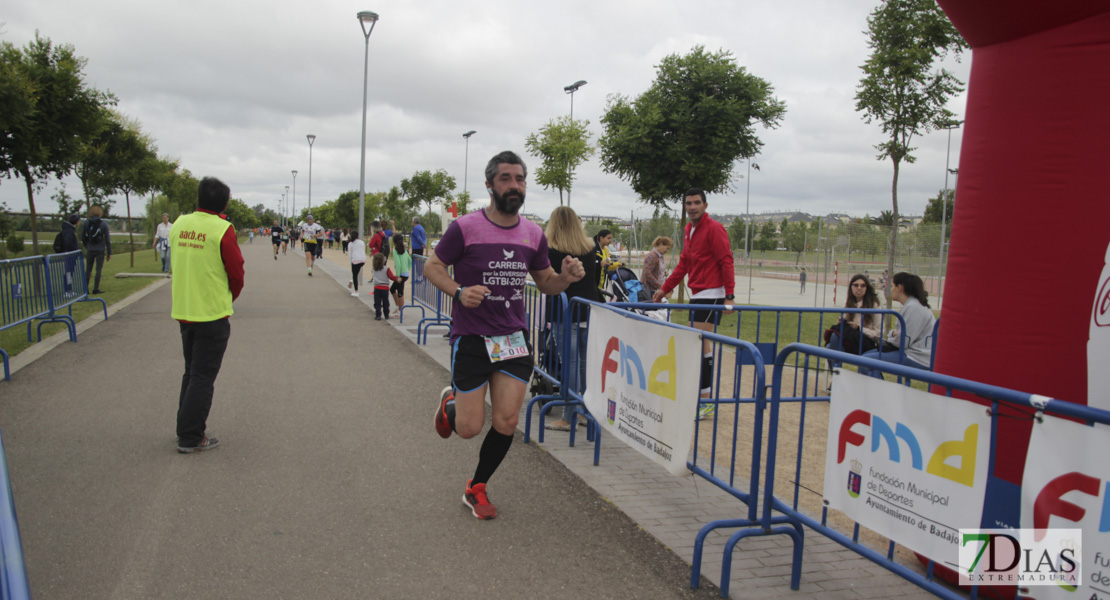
{"points": [[861, 295], [654, 272], [908, 290]]}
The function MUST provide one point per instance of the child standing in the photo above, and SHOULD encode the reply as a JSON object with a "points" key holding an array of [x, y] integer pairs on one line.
{"points": [[381, 277], [402, 261], [358, 259]]}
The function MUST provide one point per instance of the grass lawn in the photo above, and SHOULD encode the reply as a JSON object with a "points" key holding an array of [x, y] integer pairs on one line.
{"points": [[14, 340]]}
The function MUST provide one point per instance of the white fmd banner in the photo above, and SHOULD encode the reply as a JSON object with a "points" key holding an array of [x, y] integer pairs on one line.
{"points": [[1066, 485], [642, 384], [907, 464]]}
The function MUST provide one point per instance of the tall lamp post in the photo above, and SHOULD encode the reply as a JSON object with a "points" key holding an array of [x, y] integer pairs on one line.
{"points": [[364, 17], [295, 192], [285, 211], [748, 228], [311, 138], [570, 89], [466, 163], [944, 205]]}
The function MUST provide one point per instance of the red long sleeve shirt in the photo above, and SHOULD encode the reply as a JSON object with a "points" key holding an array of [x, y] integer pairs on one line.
{"points": [[706, 257]]}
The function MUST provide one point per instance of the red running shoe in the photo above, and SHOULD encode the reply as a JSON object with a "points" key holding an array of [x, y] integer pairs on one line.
{"points": [[475, 497], [443, 425]]}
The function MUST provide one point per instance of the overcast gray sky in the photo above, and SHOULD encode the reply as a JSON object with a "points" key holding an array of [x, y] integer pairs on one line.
{"points": [[231, 88]]}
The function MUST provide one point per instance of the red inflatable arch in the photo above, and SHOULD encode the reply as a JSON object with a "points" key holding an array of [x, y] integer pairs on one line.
{"points": [[1032, 222], [1032, 217]]}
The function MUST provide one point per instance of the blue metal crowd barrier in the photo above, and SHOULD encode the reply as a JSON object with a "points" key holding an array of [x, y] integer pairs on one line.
{"points": [[13, 571], [427, 296], [36, 288], [788, 516]]}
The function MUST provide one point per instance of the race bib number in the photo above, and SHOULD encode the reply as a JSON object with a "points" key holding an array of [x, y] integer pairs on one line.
{"points": [[504, 347]]}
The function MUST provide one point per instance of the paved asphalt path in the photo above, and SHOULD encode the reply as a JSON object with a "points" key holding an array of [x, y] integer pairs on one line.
{"points": [[329, 481]]}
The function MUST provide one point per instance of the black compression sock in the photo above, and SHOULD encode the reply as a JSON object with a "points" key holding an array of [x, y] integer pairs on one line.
{"points": [[494, 448]]}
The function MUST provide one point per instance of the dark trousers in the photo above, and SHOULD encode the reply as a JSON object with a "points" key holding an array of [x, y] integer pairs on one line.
{"points": [[355, 269], [92, 256], [203, 345], [381, 302], [418, 251]]}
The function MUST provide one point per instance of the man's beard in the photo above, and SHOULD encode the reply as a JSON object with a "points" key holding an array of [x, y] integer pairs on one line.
{"points": [[510, 203]]}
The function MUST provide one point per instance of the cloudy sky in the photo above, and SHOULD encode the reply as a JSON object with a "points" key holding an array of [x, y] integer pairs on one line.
{"points": [[232, 87]]}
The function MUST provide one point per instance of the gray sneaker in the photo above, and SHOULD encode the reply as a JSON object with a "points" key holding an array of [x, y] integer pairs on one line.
{"points": [[205, 444]]}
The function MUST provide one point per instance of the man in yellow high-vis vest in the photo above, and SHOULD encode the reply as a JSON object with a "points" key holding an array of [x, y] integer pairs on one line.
{"points": [[207, 271]]}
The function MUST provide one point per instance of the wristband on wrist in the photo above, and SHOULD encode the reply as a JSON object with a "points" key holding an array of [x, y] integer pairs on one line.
{"points": [[730, 297], [458, 293]]}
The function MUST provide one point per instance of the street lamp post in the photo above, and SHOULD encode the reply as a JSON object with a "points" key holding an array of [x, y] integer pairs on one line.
{"points": [[285, 210], [364, 17], [466, 163], [295, 191], [748, 228], [311, 138], [944, 206], [570, 89]]}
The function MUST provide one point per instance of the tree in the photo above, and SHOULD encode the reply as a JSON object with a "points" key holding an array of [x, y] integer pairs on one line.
{"points": [[561, 145], [427, 187], [885, 219], [901, 88], [689, 128], [134, 170], [768, 237], [44, 140], [935, 211], [67, 205], [240, 215]]}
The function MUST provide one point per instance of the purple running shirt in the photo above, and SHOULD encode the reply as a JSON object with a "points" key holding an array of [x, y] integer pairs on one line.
{"points": [[484, 253]]}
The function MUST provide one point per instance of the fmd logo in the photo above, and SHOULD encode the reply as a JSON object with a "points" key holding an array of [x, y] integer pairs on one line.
{"points": [[662, 380]]}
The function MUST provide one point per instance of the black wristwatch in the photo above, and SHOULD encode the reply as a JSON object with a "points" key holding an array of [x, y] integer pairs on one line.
{"points": [[729, 297], [458, 293]]}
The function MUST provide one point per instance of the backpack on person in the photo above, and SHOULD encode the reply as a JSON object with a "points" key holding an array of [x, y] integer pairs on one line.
{"points": [[58, 243], [94, 234]]}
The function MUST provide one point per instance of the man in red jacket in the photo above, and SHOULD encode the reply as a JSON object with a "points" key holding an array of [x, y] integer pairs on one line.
{"points": [[706, 261]]}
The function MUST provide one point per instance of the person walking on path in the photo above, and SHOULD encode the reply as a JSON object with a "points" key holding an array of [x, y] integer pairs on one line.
{"points": [[161, 243], [802, 278], [97, 240], [379, 241], [308, 241], [419, 237], [208, 276], [707, 258], [284, 241], [275, 237], [356, 249], [345, 239], [380, 279], [69, 244], [493, 251], [402, 261]]}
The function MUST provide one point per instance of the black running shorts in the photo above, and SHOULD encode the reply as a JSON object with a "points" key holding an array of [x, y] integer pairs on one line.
{"points": [[707, 316], [471, 367]]}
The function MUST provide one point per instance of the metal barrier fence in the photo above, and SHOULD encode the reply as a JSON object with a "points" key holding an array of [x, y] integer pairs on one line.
{"points": [[784, 487], [35, 288], [427, 296], [13, 571]]}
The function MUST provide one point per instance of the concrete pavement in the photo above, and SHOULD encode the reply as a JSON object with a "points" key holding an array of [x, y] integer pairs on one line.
{"points": [[331, 483]]}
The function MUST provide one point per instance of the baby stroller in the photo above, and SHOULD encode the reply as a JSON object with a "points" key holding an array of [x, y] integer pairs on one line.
{"points": [[623, 285]]}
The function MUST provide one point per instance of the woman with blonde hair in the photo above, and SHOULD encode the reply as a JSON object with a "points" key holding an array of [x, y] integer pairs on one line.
{"points": [[565, 237]]}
